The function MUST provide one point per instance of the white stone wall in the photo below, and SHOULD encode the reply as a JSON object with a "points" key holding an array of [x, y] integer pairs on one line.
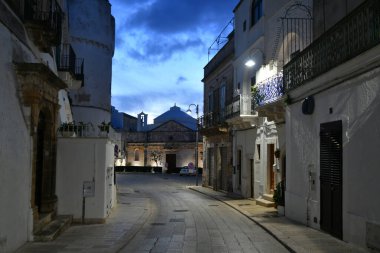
{"points": [[245, 141], [15, 154], [356, 103], [85, 159], [92, 37]]}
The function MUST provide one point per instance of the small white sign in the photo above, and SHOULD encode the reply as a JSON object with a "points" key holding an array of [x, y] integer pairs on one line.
{"points": [[88, 189]]}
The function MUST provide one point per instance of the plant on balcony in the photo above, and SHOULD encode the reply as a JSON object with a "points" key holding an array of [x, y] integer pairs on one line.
{"points": [[104, 127], [67, 129], [257, 97]]}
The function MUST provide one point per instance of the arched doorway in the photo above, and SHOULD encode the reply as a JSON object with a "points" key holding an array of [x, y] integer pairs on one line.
{"points": [[43, 194]]}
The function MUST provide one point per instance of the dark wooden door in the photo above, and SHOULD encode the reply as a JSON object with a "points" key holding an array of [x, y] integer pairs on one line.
{"points": [[270, 163], [171, 161], [331, 178]]}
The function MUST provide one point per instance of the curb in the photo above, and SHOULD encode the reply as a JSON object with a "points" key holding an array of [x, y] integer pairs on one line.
{"points": [[252, 219]]}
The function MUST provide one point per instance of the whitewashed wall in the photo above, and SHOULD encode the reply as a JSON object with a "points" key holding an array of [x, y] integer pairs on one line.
{"points": [[15, 152], [355, 102], [85, 159]]}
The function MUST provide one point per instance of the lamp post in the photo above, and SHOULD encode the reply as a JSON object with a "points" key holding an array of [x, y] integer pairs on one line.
{"points": [[196, 141]]}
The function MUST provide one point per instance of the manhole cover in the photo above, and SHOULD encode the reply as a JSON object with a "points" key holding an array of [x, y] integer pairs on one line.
{"points": [[123, 194], [125, 203], [177, 220], [157, 224], [180, 211], [137, 191], [213, 205]]}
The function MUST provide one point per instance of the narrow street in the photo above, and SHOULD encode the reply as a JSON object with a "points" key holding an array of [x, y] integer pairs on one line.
{"points": [[158, 213], [185, 221]]}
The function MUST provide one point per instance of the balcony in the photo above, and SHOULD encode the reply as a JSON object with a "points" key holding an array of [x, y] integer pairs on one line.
{"points": [[353, 35], [240, 112], [70, 68], [43, 21], [213, 123], [267, 98]]}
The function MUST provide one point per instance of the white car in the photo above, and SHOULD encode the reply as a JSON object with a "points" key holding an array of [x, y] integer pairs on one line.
{"points": [[185, 171]]}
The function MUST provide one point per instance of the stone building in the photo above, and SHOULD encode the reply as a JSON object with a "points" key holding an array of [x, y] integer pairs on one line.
{"points": [[249, 111], [32, 82], [38, 67], [217, 137], [172, 135]]}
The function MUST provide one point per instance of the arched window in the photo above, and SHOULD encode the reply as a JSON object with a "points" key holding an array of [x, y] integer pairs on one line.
{"points": [[137, 155], [256, 11]]}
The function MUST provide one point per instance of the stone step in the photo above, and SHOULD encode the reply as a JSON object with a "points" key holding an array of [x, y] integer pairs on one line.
{"points": [[54, 228], [268, 197], [264, 202]]}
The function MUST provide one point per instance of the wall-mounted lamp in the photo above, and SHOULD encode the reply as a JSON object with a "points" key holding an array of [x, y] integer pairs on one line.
{"points": [[250, 63]]}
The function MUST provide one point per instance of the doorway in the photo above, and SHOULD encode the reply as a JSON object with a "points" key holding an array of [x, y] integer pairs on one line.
{"points": [[252, 177], [331, 190], [270, 162], [171, 160]]}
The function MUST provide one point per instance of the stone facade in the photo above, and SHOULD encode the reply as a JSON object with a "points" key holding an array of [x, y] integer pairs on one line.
{"points": [[172, 137]]}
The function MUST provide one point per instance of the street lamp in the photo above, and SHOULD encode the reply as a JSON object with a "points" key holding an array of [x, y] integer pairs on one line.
{"points": [[196, 141]]}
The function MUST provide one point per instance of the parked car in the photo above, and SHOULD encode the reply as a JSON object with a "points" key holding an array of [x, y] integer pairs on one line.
{"points": [[185, 171]]}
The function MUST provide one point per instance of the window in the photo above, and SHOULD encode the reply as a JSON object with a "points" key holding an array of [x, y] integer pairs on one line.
{"points": [[244, 25], [222, 97], [256, 11], [137, 155], [258, 151], [210, 101]]}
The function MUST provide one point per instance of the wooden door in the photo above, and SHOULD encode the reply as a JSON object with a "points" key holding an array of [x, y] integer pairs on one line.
{"points": [[171, 161], [270, 162], [331, 189]]}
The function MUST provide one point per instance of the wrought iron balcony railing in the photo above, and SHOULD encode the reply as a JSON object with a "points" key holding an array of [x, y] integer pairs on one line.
{"points": [[233, 110], [268, 91], [212, 119], [47, 14], [353, 35], [66, 58], [79, 74]]}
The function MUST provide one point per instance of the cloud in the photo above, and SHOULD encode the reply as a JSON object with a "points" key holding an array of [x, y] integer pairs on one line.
{"points": [[158, 29], [180, 80], [161, 49]]}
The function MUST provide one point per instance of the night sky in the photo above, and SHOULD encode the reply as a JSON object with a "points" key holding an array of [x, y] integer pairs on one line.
{"points": [[161, 49]]}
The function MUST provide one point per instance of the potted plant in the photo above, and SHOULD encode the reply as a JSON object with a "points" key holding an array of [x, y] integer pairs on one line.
{"points": [[104, 127], [277, 153], [67, 129], [279, 197]]}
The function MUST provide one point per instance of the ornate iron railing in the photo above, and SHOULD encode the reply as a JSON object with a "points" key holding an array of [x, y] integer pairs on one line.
{"points": [[268, 91], [212, 119], [79, 66], [353, 35], [66, 58], [46, 13], [233, 110]]}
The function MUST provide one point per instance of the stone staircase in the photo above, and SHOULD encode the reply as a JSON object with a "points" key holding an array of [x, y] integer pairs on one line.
{"points": [[48, 229], [266, 200]]}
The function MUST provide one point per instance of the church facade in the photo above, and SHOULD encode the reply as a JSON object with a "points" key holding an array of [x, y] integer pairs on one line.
{"points": [[168, 143]]}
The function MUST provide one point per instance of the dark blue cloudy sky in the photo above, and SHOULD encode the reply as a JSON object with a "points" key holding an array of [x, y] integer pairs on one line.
{"points": [[161, 49]]}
